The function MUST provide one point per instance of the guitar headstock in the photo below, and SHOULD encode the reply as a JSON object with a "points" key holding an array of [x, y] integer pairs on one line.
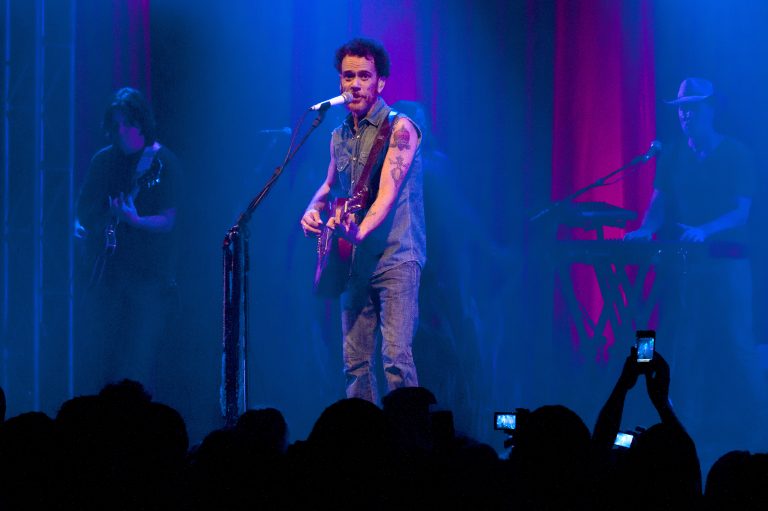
{"points": [[151, 177]]}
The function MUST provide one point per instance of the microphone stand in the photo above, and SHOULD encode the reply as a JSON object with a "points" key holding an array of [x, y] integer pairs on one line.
{"points": [[233, 390], [600, 182]]}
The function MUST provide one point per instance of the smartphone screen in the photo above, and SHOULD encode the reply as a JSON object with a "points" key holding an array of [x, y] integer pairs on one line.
{"points": [[645, 343], [623, 440], [504, 420]]}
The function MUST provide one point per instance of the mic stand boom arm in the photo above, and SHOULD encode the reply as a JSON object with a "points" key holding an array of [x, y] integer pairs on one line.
{"points": [[599, 182], [233, 390]]}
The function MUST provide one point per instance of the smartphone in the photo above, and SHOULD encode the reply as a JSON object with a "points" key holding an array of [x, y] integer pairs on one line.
{"points": [[623, 440], [645, 342], [504, 420]]}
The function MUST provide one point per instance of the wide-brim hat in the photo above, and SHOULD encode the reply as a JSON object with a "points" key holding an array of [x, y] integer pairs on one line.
{"points": [[692, 90]]}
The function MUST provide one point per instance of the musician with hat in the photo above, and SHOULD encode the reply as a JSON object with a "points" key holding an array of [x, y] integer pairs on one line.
{"points": [[701, 201], [704, 189]]}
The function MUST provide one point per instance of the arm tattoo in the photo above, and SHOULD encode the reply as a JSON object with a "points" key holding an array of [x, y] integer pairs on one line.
{"points": [[399, 167], [401, 139]]}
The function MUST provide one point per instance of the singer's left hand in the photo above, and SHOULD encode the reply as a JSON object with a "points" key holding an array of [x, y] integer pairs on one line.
{"points": [[691, 233], [347, 228]]}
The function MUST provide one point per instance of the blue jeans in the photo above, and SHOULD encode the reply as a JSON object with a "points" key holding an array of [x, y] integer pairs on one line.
{"points": [[385, 303]]}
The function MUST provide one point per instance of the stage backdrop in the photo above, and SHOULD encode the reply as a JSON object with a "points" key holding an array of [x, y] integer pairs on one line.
{"points": [[604, 116], [525, 103], [226, 80]]}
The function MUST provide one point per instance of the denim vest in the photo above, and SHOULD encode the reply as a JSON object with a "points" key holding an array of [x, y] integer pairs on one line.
{"points": [[401, 237]]}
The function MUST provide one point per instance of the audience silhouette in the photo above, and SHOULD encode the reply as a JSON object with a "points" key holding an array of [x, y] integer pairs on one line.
{"points": [[738, 480], [661, 468], [122, 450], [551, 463]]}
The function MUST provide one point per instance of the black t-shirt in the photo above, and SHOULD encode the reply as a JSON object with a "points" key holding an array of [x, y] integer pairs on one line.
{"points": [[139, 254], [698, 191]]}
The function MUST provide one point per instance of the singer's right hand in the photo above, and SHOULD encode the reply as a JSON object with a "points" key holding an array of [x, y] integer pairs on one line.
{"points": [[311, 222]]}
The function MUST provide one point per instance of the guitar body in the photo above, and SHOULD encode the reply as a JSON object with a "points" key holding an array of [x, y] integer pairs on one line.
{"points": [[334, 254], [145, 181]]}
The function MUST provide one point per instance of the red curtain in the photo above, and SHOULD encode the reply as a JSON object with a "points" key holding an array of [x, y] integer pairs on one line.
{"points": [[604, 115], [131, 64]]}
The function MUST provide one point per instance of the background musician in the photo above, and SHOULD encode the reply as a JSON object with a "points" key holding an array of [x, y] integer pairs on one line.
{"points": [[702, 197], [132, 187]]}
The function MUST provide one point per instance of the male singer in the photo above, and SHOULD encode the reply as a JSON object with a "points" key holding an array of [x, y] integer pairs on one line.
{"points": [[388, 235]]}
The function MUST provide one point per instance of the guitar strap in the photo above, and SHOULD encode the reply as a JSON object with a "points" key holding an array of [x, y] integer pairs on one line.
{"points": [[382, 137]]}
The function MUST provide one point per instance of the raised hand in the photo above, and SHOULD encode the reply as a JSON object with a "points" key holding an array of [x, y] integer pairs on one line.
{"points": [[630, 371], [657, 382]]}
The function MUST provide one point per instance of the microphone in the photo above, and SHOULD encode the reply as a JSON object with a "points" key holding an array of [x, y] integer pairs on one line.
{"points": [[650, 153], [281, 131], [653, 150], [343, 99]]}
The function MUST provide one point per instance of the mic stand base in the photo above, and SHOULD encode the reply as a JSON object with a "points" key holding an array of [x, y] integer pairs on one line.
{"points": [[234, 379]]}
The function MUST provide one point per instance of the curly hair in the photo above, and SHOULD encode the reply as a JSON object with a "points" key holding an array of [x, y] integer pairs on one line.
{"points": [[136, 110], [367, 48]]}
